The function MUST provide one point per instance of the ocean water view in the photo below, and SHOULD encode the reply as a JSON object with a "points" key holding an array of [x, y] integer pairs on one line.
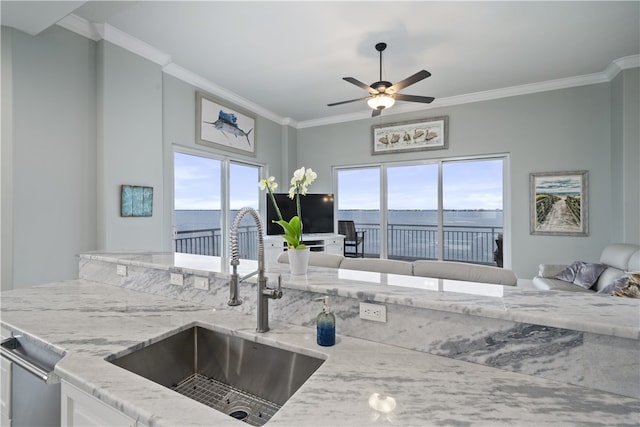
{"points": [[469, 235], [207, 219]]}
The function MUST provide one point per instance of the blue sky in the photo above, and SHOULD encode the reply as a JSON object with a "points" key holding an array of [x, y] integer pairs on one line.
{"points": [[466, 185]]}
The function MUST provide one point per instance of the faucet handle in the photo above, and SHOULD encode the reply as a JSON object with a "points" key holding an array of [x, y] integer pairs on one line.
{"points": [[274, 293]]}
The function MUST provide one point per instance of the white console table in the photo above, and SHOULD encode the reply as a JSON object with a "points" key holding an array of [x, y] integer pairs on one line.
{"points": [[321, 242]]}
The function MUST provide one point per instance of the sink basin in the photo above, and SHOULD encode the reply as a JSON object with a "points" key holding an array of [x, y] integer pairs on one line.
{"points": [[247, 380]]}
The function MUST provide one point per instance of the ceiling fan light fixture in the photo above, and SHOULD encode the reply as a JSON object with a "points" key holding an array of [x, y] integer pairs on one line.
{"points": [[380, 102]]}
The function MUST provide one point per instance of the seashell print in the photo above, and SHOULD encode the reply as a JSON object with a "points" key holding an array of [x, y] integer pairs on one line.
{"points": [[431, 135]]}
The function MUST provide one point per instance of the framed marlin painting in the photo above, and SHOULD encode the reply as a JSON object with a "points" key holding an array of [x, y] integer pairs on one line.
{"points": [[219, 126]]}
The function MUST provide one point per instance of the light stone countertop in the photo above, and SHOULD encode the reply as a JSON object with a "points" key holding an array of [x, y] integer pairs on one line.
{"points": [[90, 320], [579, 311]]}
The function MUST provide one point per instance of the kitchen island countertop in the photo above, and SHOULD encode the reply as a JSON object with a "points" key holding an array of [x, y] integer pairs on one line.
{"points": [[88, 321]]}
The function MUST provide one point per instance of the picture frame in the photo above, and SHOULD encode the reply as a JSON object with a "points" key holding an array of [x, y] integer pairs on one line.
{"points": [[559, 203], [224, 127], [136, 201], [426, 134]]}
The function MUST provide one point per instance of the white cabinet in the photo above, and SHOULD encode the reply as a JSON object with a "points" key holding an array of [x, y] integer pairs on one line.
{"points": [[5, 385], [334, 246], [82, 409], [322, 242]]}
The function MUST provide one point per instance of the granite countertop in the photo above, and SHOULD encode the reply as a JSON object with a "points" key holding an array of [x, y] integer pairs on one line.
{"points": [[579, 311], [89, 321]]}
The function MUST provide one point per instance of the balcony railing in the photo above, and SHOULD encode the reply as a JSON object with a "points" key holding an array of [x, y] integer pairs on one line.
{"points": [[474, 244], [208, 242]]}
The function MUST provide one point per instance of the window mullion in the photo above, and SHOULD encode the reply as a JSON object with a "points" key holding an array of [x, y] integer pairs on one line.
{"points": [[440, 214]]}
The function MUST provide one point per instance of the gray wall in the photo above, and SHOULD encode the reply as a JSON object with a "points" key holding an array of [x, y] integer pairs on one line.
{"points": [[560, 130], [51, 147], [130, 147], [84, 118], [625, 156]]}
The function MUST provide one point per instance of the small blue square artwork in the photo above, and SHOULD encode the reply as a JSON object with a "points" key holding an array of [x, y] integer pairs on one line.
{"points": [[136, 201]]}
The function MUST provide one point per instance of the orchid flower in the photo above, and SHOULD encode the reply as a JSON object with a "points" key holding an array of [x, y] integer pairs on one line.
{"points": [[300, 182]]}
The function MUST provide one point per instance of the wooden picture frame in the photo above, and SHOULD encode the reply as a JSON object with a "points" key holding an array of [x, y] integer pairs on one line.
{"points": [[559, 203], [426, 134], [223, 127]]}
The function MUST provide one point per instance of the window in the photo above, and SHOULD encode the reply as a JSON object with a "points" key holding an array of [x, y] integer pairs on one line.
{"points": [[412, 212], [244, 191], [206, 198], [472, 209], [444, 210], [359, 201]]}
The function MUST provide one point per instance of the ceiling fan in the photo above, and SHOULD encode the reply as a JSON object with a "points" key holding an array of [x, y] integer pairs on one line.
{"points": [[383, 94]]}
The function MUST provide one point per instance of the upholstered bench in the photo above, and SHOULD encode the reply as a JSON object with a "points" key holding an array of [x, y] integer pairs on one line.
{"points": [[437, 269], [464, 271]]}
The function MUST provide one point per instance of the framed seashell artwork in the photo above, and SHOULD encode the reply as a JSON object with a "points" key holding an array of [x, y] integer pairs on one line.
{"points": [[426, 134]]}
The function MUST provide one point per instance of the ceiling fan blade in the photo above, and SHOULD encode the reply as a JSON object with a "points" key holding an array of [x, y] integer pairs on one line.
{"points": [[376, 113], [345, 102], [420, 75], [413, 98], [358, 83]]}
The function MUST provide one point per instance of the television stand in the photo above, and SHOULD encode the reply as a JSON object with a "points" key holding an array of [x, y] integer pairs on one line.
{"points": [[330, 243]]}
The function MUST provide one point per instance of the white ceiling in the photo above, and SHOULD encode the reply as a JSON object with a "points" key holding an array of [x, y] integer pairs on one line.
{"points": [[286, 59]]}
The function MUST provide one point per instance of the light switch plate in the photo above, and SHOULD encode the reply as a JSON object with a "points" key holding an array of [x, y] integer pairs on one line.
{"points": [[121, 270], [201, 283], [375, 312], [177, 279]]}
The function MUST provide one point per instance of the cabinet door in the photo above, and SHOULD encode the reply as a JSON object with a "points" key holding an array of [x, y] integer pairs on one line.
{"points": [[272, 249], [334, 246], [5, 392], [5, 385], [81, 409]]}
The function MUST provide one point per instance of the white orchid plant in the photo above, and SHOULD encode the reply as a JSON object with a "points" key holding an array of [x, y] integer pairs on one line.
{"points": [[300, 182]]}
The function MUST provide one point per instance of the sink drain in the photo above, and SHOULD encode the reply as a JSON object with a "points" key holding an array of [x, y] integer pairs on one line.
{"points": [[239, 414]]}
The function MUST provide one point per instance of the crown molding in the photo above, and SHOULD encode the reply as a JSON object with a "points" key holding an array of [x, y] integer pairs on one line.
{"points": [[80, 26], [111, 34], [620, 64], [132, 44], [198, 81], [588, 79]]}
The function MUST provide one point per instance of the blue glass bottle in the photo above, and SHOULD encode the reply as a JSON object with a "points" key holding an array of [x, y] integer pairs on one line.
{"points": [[326, 329]]}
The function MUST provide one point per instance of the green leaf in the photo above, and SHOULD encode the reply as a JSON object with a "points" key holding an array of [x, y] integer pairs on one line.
{"points": [[292, 231]]}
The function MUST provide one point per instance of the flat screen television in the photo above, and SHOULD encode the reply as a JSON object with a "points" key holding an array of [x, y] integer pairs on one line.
{"points": [[317, 212]]}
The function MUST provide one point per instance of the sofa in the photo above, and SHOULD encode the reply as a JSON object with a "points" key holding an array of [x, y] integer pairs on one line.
{"points": [[437, 269], [615, 260]]}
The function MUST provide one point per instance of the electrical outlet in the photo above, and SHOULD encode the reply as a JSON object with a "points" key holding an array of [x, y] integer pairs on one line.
{"points": [[121, 270], [177, 279], [201, 283], [375, 312]]}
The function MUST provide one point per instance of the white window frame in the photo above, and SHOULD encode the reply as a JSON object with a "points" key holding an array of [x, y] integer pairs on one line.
{"points": [[506, 198], [225, 201]]}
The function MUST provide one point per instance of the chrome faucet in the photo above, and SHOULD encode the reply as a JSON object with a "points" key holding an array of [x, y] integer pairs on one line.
{"points": [[264, 292]]}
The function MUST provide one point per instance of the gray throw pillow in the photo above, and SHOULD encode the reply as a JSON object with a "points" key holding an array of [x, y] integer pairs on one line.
{"points": [[582, 273]]}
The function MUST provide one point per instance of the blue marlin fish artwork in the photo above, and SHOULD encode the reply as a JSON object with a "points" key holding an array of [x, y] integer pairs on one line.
{"points": [[227, 123]]}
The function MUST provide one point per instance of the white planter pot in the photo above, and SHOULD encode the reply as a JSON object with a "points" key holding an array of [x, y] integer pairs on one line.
{"points": [[298, 261]]}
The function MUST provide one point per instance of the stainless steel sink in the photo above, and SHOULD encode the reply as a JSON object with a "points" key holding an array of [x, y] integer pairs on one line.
{"points": [[244, 379]]}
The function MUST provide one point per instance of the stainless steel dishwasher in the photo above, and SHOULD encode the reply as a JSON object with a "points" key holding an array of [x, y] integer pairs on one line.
{"points": [[35, 389]]}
